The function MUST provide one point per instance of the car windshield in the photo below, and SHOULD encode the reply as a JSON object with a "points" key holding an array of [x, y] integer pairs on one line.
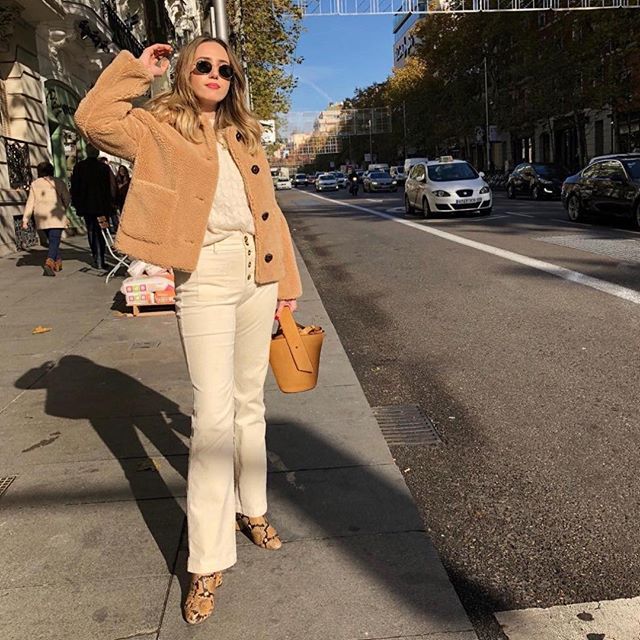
{"points": [[379, 175], [550, 171], [452, 171], [633, 168], [300, 175], [339, 175], [327, 176]]}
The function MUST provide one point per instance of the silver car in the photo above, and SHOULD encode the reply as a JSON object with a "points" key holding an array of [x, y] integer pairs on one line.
{"points": [[379, 181], [447, 186], [327, 182]]}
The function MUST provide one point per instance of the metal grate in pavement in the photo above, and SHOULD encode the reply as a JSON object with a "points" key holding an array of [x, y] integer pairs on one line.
{"points": [[5, 483], [406, 425], [148, 344]]}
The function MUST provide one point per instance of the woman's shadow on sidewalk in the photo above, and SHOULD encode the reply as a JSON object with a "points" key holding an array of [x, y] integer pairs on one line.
{"points": [[119, 407]]}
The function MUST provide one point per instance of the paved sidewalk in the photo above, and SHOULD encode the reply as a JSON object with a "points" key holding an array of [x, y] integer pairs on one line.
{"points": [[94, 425]]}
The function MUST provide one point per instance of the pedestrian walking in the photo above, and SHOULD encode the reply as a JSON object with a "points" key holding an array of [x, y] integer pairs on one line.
{"points": [[47, 202], [201, 201], [113, 183], [123, 180], [92, 195]]}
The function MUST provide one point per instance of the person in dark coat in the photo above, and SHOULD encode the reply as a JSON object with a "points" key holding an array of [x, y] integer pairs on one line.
{"points": [[92, 195]]}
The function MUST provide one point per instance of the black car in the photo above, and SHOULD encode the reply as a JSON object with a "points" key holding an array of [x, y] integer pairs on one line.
{"points": [[608, 185], [537, 180]]}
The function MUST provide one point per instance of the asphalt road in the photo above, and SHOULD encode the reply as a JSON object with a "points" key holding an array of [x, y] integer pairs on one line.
{"points": [[531, 379]]}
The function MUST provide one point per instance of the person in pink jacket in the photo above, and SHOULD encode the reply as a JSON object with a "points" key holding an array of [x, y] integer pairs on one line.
{"points": [[47, 203]]}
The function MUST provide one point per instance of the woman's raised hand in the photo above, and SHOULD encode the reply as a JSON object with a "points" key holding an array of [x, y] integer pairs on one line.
{"points": [[156, 58]]}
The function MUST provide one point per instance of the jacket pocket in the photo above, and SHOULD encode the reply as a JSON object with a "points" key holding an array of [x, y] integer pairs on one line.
{"points": [[148, 211]]}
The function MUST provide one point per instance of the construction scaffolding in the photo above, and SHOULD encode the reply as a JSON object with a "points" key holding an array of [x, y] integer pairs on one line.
{"points": [[307, 134], [394, 7]]}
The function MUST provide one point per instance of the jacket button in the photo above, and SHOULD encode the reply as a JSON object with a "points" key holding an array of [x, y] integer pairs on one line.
{"points": [[265, 215], [268, 257], [255, 169], [238, 136]]}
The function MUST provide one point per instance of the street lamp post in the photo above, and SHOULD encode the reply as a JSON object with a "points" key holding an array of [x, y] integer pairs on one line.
{"points": [[404, 125], [219, 24], [486, 114], [370, 140]]}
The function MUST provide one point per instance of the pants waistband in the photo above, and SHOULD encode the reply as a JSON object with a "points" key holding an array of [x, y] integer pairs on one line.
{"points": [[237, 241]]}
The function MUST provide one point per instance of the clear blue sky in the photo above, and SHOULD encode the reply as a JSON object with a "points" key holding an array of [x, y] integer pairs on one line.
{"points": [[340, 53]]}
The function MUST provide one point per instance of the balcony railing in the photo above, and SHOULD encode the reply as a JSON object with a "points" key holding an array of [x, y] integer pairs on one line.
{"points": [[18, 163], [122, 34]]}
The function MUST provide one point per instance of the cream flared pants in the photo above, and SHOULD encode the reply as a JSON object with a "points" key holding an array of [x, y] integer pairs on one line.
{"points": [[225, 322]]}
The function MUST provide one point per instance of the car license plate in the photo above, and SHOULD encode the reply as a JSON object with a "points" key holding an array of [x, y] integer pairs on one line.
{"points": [[469, 201]]}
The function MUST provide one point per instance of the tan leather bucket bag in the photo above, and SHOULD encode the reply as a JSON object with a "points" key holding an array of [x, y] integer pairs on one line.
{"points": [[295, 354]]}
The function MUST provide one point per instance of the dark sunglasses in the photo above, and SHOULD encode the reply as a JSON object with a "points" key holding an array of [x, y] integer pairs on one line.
{"points": [[204, 67]]}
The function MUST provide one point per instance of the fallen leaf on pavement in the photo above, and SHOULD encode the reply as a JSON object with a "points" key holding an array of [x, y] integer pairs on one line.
{"points": [[148, 465], [40, 329]]}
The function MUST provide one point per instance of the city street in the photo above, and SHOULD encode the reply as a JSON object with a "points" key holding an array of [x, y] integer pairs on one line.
{"points": [[530, 378]]}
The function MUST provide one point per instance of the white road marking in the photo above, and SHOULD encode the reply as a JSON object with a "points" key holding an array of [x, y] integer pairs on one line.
{"points": [[618, 291], [607, 619], [520, 215]]}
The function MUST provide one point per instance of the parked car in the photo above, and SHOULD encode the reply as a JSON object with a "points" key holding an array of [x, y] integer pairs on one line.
{"points": [[283, 183], [327, 182], [300, 180], [537, 180], [446, 185], [341, 178], [608, 185], [397, 173], [379, 181]]}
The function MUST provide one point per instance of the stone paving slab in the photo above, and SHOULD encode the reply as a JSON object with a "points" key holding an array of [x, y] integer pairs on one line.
{"points": [[288, 445], [38, 440], [319, 404], [394, 586], [604, 620], [71, 545], [90, 611]]}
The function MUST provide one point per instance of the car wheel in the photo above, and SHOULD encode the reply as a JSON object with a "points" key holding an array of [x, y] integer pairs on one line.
{"points": [[574, 209], [408, 209], [426, 210], [511, 192], [536, 194]]}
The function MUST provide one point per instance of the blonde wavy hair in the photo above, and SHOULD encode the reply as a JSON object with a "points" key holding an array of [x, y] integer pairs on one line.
{"points": [[180, 108]]}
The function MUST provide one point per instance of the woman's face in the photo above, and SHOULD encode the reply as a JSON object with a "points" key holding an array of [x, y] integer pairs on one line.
{"points": [[210, 88]]}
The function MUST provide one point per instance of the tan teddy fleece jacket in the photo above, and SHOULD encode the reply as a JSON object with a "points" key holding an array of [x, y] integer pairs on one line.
{"points": [[174, 181]]}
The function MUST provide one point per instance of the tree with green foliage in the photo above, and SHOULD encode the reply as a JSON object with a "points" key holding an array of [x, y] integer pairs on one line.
{"points": [[265, 35]]}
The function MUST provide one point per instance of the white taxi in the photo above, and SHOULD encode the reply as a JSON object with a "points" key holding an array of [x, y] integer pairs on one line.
{"points": [[446, 186]]}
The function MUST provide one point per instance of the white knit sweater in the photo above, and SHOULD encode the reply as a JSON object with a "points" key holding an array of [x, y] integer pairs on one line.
{"points": [[230, 212]]}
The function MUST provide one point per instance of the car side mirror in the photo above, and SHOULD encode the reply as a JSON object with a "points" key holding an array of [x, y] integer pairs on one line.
{"points": [[481, 174]]}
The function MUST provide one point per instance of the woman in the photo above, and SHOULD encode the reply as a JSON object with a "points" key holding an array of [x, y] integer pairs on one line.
{"points": [[122, 186], [47, 203], [201, 201]]}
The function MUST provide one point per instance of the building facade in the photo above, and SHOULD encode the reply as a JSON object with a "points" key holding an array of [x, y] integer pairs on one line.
{"points": [[51, 53]]}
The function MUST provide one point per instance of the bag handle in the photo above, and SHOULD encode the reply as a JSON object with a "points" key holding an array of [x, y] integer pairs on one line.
{"points": [[294, 341]]}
